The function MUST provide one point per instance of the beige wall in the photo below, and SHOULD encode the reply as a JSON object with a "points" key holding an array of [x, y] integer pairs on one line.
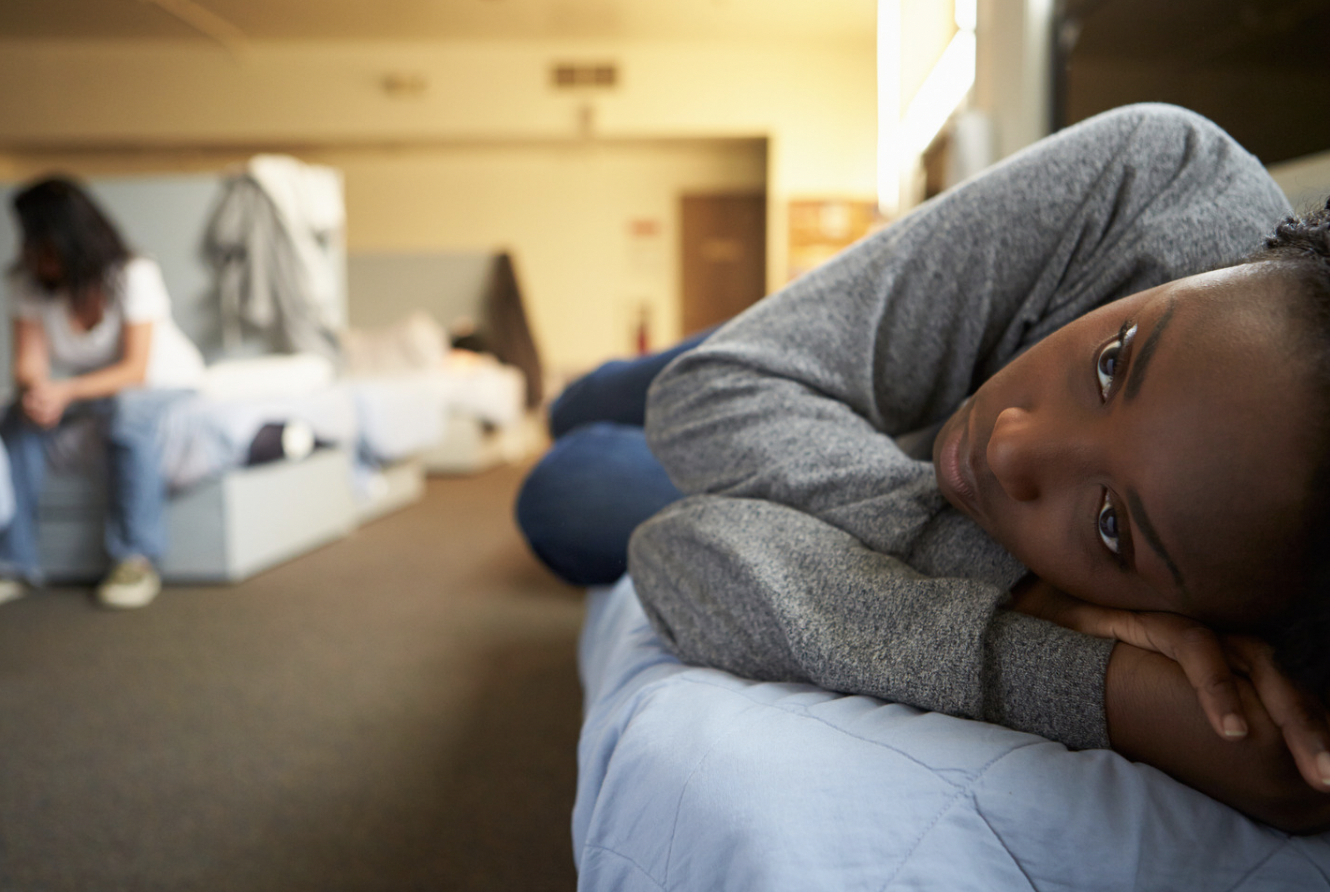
{"points": [[565, 212], [488, 124]]}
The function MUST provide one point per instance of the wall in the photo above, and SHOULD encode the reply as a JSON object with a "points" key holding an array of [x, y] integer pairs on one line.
{"points": [[1013, 84], [1266, 109], [566, 214], [488, 115], [1306, 181]]}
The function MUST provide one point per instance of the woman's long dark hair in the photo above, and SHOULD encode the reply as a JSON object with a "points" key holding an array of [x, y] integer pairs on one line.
{"points": [[1301, 245], [58, 216]]}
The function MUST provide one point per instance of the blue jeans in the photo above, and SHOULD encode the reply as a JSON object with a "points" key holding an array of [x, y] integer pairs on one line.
{"points": [[582, 501], [136, 522]]}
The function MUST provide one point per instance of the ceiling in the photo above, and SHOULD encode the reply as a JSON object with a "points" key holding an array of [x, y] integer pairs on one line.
{"points": [[430, 20]]}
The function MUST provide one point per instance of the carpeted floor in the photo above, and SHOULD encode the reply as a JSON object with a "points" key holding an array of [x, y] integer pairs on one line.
{"points": [[397, 711]]}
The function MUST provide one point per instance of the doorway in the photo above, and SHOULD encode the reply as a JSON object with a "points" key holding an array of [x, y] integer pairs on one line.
{"points": [[724, 238]]}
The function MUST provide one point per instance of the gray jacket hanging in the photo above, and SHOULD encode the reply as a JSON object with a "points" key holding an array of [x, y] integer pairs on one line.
{"points": [[275, 242]]}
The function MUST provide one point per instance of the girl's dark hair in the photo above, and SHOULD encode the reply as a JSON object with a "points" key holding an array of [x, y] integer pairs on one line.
{"points": [[1301, 247], [57, 215]]}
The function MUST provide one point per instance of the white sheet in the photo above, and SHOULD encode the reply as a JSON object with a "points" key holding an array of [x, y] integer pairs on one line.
{"points": [[400, 415], [480, 386], [408, 413], [203, 438], [266, 377], [380, 419]]}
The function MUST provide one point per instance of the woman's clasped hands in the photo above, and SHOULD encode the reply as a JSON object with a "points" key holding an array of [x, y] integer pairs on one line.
{"points": [[45, 402]]}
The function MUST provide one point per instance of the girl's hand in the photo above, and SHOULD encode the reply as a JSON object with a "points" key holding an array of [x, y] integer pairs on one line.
{"points": [[45, 403], [1186, 642], [1299, 715], [1209, 662]]}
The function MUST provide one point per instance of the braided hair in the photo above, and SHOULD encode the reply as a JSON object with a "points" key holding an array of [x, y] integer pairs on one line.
{"points": [[1301, 247], [58, 216]]}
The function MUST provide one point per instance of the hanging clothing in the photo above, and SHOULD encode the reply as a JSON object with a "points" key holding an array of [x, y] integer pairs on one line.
{"points": [[276, 242], [510, 338]]}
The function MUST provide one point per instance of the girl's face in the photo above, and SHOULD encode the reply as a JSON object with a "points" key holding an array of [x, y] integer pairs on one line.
{"points": [[43, 263], [1152, 455]]}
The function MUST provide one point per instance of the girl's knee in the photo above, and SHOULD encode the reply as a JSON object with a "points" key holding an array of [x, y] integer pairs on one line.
{"points": [[574, 460], [582, 500], [1161, 125]]}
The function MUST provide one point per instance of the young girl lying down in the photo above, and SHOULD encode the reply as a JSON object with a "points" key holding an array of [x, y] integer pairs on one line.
{"points": [[1133, 411]]}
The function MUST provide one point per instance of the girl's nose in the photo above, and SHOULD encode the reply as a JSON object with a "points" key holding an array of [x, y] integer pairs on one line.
{"points": [[1019, 453]]}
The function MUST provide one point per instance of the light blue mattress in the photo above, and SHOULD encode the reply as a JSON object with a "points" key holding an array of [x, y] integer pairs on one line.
{"points": [[694, 779]]}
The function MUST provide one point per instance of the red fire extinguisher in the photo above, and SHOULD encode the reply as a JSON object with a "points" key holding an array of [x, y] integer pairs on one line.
{"points": [[643, 330]]}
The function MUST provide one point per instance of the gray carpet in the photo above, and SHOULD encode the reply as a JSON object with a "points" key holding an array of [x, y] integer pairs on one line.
{"points": [[397, 711]]}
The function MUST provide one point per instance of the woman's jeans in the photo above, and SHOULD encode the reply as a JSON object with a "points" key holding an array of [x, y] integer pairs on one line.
{"points": [[582, 501], [136, 522]]}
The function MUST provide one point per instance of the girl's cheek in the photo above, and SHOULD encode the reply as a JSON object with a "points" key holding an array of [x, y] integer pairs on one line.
{"points": [[1047, 550]]}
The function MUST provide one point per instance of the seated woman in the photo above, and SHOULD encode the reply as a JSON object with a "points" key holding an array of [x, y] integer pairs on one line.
{"points": [[93, 336], [1131, 407]]}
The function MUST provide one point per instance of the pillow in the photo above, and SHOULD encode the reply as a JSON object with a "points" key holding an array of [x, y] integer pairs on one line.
{"points": [[263, 377], [416, 343]]}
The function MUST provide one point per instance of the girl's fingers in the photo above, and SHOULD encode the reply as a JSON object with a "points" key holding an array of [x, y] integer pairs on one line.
{"points": [[1300, 717], [1201, 655], [1102, 622], [1198, 651], [1191, 645]]}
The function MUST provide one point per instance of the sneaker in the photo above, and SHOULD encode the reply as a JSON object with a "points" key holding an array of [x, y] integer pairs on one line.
{"points": [[12, 590], [131, 583]]}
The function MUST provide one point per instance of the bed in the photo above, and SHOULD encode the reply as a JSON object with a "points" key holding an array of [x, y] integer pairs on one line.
{"points": [[491, 400], [692, 778], [230, 514]]}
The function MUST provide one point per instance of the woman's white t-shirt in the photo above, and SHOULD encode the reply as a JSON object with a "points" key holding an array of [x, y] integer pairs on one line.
{"points": [[140, 296]]}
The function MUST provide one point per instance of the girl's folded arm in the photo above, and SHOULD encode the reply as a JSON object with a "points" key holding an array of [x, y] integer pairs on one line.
{"points": [[771, 593], [1154, 717]]}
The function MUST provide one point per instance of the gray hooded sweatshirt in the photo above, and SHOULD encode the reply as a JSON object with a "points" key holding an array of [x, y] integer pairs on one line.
{"points": [[811, 547]]}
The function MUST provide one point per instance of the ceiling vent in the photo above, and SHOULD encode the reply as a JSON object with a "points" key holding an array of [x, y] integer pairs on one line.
{"points": [[404, 84], [571, 76]]}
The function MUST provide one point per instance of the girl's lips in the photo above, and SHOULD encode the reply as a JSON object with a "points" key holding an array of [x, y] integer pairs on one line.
{"points": [[954, 468]]}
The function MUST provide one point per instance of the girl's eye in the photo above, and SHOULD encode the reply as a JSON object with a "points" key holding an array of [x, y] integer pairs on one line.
{"points": [[1106, 367], [1108, 524]]}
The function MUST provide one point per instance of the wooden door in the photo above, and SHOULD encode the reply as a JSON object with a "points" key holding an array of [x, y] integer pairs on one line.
{"points": [[724, 256]]}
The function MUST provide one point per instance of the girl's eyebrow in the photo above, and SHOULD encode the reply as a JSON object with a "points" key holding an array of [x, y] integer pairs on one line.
{"points": [[1140, 362], [1152, 535]]}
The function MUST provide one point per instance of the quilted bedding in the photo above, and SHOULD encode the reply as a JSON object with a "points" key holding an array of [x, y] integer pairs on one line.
{"points": [[694, 779]]}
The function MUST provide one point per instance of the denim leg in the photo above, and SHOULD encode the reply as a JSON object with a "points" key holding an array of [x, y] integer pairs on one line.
{"points": [[136, 514], [6, 490], [583, 500], [26, 445], [616, 391]]}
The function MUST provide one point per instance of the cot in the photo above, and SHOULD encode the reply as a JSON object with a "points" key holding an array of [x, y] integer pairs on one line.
{"points": [[692, 778]]}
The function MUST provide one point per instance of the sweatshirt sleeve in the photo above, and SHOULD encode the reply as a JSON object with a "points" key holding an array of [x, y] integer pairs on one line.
{"points": [[816, 549]]}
